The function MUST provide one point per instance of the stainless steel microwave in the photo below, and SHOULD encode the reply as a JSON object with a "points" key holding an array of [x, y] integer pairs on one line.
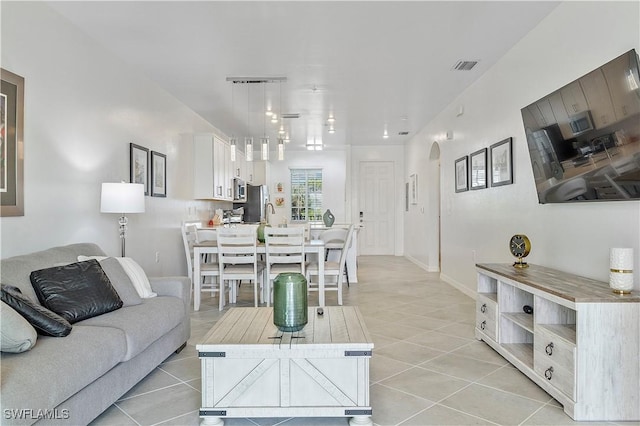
{"points": [[239, 190], [581, 123]]}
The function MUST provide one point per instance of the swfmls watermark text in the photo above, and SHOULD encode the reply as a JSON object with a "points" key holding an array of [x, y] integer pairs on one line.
{"points": [[35, 414]]}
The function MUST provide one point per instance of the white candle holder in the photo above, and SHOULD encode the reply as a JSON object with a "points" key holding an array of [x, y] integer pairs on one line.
{"points": [[621, 270]]}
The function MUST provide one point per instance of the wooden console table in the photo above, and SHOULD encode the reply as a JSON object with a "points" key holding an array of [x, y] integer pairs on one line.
{"points": [[251, 369], [580, 344]]}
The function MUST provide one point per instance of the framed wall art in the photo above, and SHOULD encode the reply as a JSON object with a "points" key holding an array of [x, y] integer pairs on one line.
{"points": [[139, 166], [158, 174], [11, 144], [501, 157], [462, 174], [478, 169]]}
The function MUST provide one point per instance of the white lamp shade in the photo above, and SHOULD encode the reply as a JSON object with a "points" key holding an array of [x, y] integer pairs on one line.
{"points": [[122, 198]]}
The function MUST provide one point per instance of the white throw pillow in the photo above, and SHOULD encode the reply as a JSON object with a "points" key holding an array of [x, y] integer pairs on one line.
{"points": [[16, 334], [133, 270]]}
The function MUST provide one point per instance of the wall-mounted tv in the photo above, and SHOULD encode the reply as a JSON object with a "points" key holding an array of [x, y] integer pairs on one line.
{"points": [[584, 138]]}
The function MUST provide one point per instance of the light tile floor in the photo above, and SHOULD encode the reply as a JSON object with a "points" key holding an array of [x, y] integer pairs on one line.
{"points": [[427, 367]]}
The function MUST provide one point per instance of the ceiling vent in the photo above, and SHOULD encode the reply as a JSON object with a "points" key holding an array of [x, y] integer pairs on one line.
{"points": [[403, 133], [464, 65], [290, 115], [256, 80]]}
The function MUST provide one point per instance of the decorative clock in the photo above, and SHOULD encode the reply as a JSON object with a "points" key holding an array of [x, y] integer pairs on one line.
{"points": [[520, 247]]}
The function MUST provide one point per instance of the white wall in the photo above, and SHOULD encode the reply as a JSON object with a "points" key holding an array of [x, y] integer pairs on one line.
{"points": [[334, 181], [575, 238], [83, 107]]}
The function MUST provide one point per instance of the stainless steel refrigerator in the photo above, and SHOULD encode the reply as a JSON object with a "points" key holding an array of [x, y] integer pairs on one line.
{"points": [[255, 206]]}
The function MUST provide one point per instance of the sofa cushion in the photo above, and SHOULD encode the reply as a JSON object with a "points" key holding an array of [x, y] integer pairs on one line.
{"points": [[120, 281], [15, 270], [76, 291], [42, 319], [16, 334], [56, 369], [134, 271], [143, 324]]}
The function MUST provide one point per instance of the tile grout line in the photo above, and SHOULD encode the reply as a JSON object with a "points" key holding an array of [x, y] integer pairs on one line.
{"points": [[125, 413]]}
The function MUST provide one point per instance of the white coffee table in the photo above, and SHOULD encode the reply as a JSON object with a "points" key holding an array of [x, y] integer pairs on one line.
{"points": [[251, 369]]}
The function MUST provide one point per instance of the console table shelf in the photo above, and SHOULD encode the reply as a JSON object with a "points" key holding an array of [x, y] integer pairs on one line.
{"points": [[580, 344]]}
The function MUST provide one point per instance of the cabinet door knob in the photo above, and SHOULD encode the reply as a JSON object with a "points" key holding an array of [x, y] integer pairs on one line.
{"points": [[548, 373], [483, 308], [549, 349], [483, 325]]}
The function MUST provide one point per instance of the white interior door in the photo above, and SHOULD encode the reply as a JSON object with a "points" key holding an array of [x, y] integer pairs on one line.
{"points": [[376, 207]]}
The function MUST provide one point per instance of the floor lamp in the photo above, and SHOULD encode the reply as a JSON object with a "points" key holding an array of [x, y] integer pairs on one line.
{"points": [[122, 198]]}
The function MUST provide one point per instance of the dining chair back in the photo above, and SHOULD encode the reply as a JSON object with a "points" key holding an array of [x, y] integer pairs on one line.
{"points": [[238, 259], [334, 243], [208, 267], [284, 253], [332, 269], [304, 225]]}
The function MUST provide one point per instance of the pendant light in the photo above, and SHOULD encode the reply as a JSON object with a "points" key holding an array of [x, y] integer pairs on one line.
{"points": [[280, 149], [281, 132], [248, 141], [265, 139], [233, 140]]}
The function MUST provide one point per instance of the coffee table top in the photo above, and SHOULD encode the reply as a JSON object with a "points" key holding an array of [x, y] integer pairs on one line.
{"points": [[339, 326]]}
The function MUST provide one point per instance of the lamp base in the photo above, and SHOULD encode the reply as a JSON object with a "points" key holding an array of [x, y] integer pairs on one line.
{"points": [[621, 292]]}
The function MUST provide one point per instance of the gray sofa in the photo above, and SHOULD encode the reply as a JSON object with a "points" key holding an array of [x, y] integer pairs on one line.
{"points": [[72, 379]]}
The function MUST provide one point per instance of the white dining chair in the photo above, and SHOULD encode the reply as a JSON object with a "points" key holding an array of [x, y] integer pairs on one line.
{"points": [[208, 268], [334, 239], [238, 260], [284, 253], [331, 269]]}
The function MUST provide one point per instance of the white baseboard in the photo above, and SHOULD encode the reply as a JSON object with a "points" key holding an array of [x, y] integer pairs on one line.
{"points": [[422, 265], [459, 286]]}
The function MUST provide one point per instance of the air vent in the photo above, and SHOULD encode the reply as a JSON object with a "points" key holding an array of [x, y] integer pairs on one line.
{"points": [[464, 65], [296, 115], [256, 80], [404, 133]]}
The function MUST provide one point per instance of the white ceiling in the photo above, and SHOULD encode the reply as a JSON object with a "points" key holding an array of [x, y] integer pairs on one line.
{"points": [[370, 64]]}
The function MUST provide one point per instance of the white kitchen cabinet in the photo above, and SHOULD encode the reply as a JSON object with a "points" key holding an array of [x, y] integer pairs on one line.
{"points": [[211, 168], [621, 85], [573, 98], [580, 343], [598, 98]]}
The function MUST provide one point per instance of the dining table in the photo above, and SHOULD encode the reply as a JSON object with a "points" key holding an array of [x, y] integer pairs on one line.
{"points": [[210, 247]]}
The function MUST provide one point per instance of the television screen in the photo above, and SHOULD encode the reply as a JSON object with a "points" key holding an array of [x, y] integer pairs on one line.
{"points": [[584, 138]]}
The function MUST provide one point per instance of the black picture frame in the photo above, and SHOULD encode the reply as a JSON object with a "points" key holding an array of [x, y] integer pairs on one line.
{"points": [[501, 158], [478, 169], [462, 174], [139, 165], [158, 174], [11, 144]]}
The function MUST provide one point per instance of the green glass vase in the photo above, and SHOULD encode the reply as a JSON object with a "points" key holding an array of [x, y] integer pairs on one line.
{"points": [[290, 301], [261, 231]]}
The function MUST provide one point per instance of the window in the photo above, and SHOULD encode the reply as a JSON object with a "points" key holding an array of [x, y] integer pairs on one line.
{"points": [[306, 194]]}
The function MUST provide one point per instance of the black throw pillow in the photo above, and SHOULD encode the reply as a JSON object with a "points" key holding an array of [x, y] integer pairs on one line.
{"points": [[76, 291], [43, 320]]}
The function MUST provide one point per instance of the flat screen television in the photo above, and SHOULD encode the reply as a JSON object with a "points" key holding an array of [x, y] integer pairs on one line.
{"points": [[584, 138]]}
